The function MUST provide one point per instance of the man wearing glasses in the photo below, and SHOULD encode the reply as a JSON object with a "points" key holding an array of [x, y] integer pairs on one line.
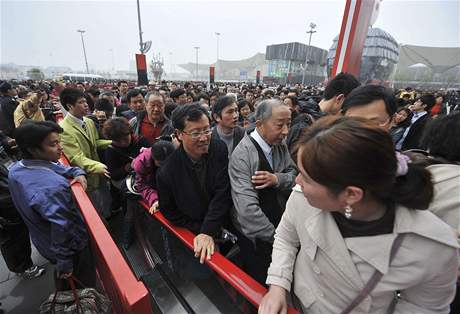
{"points": [[193, 185], [372, 102]]}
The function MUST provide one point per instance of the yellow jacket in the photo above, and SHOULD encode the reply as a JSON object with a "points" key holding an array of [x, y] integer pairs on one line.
{"points": [[22, 113], [80, 147]]}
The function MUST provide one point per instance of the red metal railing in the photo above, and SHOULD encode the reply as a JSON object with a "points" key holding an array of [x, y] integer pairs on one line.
{"points": [[128, 295], [238, 279]]}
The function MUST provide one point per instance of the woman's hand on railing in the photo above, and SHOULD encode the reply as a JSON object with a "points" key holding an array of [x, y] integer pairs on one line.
{"points": [[154, 208], [203, 246], [274, 302]]}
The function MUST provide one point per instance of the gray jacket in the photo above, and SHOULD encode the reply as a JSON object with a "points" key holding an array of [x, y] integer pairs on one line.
{"points": [[247, 214]]}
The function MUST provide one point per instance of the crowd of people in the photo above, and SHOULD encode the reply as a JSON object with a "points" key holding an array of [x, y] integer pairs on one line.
{"points": [[343, 198]]}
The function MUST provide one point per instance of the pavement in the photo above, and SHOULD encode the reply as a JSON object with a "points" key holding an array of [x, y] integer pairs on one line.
{"points": [[21, 296]]}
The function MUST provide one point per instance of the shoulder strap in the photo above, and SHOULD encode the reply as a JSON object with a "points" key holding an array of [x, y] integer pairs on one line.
{"points": [[375, 278]]}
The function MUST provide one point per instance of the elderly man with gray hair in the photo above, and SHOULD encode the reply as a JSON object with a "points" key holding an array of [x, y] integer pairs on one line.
{"points": [[262, 175]]}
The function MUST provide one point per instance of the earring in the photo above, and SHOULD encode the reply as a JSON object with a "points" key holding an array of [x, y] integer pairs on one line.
{"points": [[348, 211]]}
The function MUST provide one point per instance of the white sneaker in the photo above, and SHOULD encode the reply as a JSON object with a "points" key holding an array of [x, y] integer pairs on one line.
{"points": [[32, 272]]}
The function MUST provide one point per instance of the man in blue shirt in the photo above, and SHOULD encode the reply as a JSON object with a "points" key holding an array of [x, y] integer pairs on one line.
{"points": [[40, 190]]}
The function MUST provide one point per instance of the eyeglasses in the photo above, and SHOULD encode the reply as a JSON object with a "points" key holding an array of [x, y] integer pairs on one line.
{"points": [[196, 135]]}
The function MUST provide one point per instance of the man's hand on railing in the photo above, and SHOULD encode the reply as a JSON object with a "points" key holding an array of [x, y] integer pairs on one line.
{"points": [[203, 246], [274, 302], [81, 180]]}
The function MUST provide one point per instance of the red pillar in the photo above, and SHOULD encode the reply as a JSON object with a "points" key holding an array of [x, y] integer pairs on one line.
{"points": [[355, 24]]}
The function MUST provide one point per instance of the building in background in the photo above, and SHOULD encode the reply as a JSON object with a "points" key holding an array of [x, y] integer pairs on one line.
{"points": [[230, 70], [379, 59], [286, 63]]}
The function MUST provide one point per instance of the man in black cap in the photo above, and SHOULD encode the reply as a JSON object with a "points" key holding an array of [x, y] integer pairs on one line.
{"points": [[8, 105]]}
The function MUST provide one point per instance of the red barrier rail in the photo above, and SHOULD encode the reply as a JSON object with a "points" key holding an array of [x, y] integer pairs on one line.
{"points": [[128, 295], [238, 279]]}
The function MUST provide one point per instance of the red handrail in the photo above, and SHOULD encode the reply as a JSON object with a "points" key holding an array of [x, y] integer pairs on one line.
{"points": [[128, 295], [238, 279]]}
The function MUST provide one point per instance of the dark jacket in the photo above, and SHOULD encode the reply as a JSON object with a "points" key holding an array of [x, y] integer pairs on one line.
{"points": [[181, 199], [412, 140], [397, 133], [116, 159], [299, 122], [7, 107], [136, 123], [238, 134]]}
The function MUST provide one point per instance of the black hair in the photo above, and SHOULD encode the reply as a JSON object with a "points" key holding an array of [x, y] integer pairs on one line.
{"points": [[441, 137], [23, 93], [364, 95], [294, 99], [95, 92], [190, 94], [103, 104], [89, 101], [133, 93], [5, 87], [121, 82], [408, 120], [161, 150], [169, 108], [116, 128], [342, 83], [221, 104], [242, 103], [203, 96], [30, 135], [177, 92], [429, 100], [106, 94], [69, 96], [190, 112]]}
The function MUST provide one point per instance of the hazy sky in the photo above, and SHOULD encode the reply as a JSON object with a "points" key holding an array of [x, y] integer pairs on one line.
{"points": [[44, 33]]}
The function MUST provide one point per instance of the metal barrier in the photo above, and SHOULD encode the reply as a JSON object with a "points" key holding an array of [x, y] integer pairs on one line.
{"points": [[128, 295], [232, 274]]}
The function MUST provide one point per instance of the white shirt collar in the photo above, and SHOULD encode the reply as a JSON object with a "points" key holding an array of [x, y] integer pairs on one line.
{"points": [[266, 148], [80, 122], [418, 115]]}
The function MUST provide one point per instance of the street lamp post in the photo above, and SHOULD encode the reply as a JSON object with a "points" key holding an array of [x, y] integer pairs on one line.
{"points": [[84, 50], [170, 65], [217, 60], [113, 59], [144, 46], [196, 70], [311, 31], [141, 43]]}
